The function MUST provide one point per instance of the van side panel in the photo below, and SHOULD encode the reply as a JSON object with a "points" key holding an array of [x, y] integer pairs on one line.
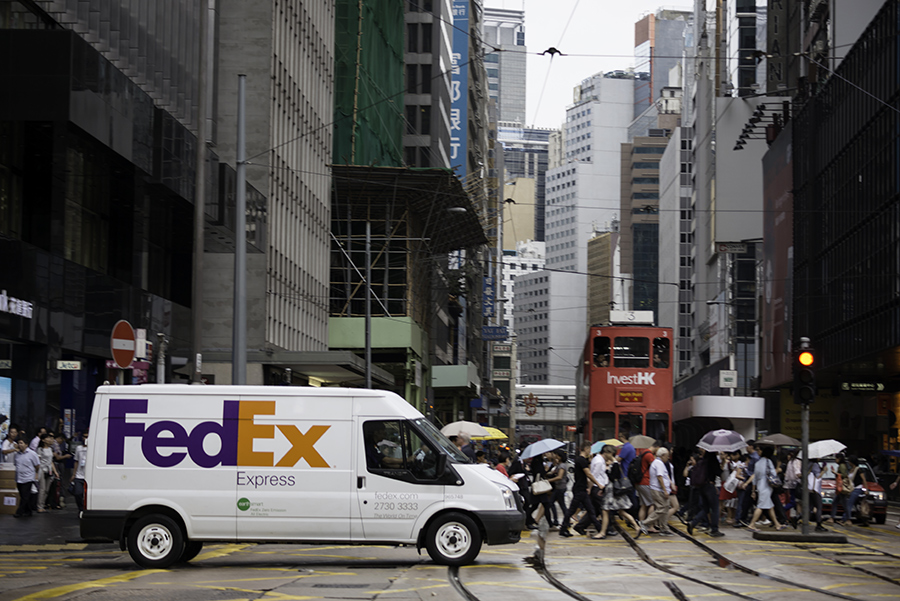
{"points": [[294, 474]]}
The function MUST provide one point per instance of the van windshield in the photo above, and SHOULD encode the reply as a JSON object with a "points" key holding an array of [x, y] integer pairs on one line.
{"points": [[432, 434]]}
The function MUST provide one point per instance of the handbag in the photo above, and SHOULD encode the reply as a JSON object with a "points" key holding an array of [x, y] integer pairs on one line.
{"points": [[773, 478], [622, 486], [731, 483], [847, 483], [540, 487]]}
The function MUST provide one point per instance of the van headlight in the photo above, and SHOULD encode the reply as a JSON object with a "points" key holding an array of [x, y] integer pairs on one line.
{"points": [[508, 500], [877, 496]]}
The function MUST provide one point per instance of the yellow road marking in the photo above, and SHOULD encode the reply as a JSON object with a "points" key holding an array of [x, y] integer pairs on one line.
{"points": [[222, 552], [406, 590], [266, 595], [296, 576], [64, 547], [59, 591]]}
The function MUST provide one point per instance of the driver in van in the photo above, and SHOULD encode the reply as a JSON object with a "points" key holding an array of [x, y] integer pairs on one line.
{"points": [[375, 457]]}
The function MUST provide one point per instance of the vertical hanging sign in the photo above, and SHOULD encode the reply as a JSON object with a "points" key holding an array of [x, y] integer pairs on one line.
{"points": [[459, 85], [487, 297]]}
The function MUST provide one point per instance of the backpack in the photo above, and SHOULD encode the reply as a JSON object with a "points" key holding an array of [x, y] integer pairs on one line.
{"points": [[636, 470]]}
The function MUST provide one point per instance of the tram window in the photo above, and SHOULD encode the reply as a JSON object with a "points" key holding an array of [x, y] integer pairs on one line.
{"points": [[661, 352], [632, 423], [631, 351], [601, 351], [603, 424], [658, 426]]}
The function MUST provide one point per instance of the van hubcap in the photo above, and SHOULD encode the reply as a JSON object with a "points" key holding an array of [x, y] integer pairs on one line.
{"points": [[453, 539], [155, 541]]}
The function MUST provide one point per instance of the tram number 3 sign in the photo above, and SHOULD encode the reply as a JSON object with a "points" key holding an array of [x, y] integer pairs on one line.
{"points": [[531, 403]]}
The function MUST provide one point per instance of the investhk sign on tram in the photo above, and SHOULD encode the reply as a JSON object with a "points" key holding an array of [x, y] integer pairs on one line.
{"points": [[644, 378]]}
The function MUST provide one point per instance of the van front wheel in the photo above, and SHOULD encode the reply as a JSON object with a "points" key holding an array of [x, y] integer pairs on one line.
{"points": [[453, 539], [155, 541]]}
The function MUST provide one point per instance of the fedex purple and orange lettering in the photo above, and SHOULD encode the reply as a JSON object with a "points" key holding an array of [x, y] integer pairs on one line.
{"points": [[166, 443]]}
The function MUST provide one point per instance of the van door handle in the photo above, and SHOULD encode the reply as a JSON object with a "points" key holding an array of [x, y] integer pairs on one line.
{"points": [[360, 482]]}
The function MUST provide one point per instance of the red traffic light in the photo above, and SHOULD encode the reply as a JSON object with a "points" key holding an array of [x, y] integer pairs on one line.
{"points": [[806, 358]]}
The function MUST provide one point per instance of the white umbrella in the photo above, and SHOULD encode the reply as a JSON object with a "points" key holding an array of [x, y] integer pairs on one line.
{"points": [[824, 448], [470, 428], [722, 440], [542, 446]]}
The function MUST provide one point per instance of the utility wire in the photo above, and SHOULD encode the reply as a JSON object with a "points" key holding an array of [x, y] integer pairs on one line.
{"points": [[848, 211]]}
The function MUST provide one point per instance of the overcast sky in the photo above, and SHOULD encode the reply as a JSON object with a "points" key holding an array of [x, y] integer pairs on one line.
{"points": [[603, 29]]}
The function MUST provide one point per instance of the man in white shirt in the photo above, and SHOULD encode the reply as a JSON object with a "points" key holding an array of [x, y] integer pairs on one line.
{"points": [[28, 469], [598, 470], [8, 447], [660, 486]]}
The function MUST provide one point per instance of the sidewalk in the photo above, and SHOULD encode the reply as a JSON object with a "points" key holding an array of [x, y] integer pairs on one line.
{"points": [[56, 527]]}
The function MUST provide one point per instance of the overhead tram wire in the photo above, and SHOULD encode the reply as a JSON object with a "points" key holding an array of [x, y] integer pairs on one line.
{"points": [[616, 206], [493, 49], [552, 52]]}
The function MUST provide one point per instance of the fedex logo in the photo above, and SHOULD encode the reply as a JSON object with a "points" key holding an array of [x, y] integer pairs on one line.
{"points": [[642, 379], [236, 433]]}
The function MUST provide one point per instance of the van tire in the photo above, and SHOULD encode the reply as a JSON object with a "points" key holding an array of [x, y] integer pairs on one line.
{"points": [[155, 541], [191, 549], [453, 539]]}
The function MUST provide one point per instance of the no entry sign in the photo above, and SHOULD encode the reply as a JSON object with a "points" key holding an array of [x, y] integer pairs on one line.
{"points": [[122, 344]]}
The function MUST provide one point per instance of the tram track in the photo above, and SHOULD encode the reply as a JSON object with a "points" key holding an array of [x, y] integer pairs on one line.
{"points": [[725, 562], [869, 552], [538, 563]]}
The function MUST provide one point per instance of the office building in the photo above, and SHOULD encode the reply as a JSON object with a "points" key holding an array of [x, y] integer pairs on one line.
{"points": [[504, 36], [658, 47], [97, 168], [429, 27]]}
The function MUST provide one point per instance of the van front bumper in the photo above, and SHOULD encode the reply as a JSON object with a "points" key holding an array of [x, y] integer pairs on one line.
{"points": [[502, 527], [103, 526]]}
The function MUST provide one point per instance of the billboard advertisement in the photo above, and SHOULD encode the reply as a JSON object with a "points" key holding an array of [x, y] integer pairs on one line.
{"points": [[778, 262]]}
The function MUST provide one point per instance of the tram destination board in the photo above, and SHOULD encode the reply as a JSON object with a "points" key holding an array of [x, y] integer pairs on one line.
{"points": [[631, 396]]}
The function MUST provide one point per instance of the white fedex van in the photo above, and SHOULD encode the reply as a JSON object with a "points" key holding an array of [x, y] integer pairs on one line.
{"points": [[170, 467]]}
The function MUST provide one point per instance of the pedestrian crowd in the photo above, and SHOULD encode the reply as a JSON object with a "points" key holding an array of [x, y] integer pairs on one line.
{"points": [[754, 487], [46, 467]]}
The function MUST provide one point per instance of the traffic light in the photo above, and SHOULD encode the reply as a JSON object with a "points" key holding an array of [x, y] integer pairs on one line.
{"points": [[805, 376]]}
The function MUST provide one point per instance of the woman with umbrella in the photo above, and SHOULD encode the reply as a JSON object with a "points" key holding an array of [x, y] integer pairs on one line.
{"points": [[764, 470]]}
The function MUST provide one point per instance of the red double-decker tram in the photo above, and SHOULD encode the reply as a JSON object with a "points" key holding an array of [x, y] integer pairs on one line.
{"points": [[624, 382]]}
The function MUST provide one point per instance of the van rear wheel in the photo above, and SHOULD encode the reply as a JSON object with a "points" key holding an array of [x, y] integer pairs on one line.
{"points": [[453, 539], [191, 549], [155, 541]]}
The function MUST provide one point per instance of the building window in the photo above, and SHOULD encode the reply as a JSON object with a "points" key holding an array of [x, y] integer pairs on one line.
{"points": [[426, 37], [426, 79], [412, 37]]}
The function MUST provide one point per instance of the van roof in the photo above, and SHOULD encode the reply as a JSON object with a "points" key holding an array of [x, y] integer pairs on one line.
{"points": [[144, 389]]}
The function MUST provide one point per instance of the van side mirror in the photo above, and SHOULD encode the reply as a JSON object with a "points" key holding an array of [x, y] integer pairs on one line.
{"points": [[441, 465]]}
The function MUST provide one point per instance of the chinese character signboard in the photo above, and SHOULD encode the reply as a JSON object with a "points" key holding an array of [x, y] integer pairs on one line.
{"points": [[459, 82], [488, 292]]}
